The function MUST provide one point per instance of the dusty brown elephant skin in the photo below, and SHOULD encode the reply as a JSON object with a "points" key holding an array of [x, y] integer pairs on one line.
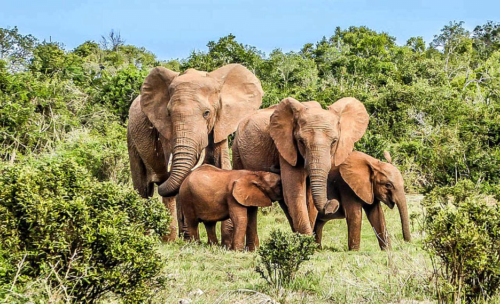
{"points": [[177, 116], [210, 194], [362, 182], [300, 140]]}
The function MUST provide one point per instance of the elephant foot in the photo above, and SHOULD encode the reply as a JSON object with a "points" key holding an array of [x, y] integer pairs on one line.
{"points": [[250, 248], [332, 206]]}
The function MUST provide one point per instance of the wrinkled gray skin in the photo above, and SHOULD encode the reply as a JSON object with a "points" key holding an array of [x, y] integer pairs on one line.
{"points": [[361, 183], [180, 115], [300, 140]]}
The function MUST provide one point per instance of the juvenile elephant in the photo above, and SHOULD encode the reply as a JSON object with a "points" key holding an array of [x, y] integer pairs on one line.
{"points": [[362, 182], [210, 194], [178, 117], [300, 140]]}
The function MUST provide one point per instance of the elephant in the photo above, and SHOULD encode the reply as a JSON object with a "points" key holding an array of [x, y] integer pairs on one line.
{"points": [[362, 182], [181, 119], [210, 194], [299, 140]]}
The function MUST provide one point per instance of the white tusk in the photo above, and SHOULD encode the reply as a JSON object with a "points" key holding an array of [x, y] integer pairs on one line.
{"points": [[169, 165], [200, 160]]}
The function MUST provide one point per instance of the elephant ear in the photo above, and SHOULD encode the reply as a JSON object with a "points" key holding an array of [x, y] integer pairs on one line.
{"points": [[357, 173], [240, 95], [281, 128], [155, 98], [247, 193], [353, 121]]}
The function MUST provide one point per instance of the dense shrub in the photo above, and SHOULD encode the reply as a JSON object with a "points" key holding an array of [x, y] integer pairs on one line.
{"points": [[101, 150], [121, 89], [281, 256], [57, 220], [463, 235]]}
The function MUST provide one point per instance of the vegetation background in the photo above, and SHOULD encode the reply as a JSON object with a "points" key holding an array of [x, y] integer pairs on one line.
{"points": [[435, 107]]}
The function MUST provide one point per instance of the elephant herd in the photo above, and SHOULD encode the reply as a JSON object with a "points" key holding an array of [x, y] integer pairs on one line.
{"points": [[296, 153]]}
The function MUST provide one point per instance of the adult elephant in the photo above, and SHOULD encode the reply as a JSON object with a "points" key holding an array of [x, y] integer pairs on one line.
{"points": [[300, 140], [186, 118], [363, 182]]}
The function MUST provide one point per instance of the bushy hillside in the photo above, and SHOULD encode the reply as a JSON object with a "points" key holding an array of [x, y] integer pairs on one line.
{"points": [[436, 107]]}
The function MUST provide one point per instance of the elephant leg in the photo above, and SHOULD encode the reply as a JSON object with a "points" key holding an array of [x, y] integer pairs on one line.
{"points": [[293, 180], [170, 203], [237, 163], [223, 161], [252, 237], [194, 233], [353, 212], [183, 231], [239, 216], [375, 215], [287, 214], [227, 230], [318, 231], [192, 229], [212, 236], [139, 174], [311, 209]]}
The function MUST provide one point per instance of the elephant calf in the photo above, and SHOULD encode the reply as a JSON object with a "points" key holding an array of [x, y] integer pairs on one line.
{"points": [[210, 194], [362, 182]]}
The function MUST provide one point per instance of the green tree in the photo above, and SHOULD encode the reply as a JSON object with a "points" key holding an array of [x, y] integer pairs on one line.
{"points": [[16, 49]]}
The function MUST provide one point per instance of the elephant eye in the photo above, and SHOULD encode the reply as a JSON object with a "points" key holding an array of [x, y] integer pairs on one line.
{"points": [[388, 185], [206, 113]]}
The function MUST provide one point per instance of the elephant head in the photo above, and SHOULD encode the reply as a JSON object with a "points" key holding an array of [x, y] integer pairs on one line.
{"points": [[186, 108], [309, 136], [258, 189], [373, 180]]}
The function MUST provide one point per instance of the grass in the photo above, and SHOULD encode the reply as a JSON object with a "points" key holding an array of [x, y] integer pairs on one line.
{"points": [[206, 274]]}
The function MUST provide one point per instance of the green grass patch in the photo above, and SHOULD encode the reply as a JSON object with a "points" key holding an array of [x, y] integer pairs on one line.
{"points": [[332, 275]]}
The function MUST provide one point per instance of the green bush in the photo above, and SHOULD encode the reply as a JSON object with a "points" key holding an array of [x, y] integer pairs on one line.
{"points": [[462, 230], [58, 221], [121, 89], [102, 151], [281, 256]]}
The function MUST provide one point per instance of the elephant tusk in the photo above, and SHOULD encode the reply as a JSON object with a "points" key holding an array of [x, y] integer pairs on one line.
{"points": [[200, 160], [169, 165]]}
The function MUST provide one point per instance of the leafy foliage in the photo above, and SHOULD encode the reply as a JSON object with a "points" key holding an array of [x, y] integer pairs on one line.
{"points": [[463, 233], [434, 106], [120, 90], [57, 219], [281, 256]]}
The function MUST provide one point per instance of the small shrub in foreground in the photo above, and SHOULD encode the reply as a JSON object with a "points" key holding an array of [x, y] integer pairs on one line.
{"points": [[463, 236], [60, 223], [281, 256]]}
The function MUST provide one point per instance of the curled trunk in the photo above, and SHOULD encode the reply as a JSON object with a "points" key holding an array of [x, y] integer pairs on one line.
{"points": [[319, 166], [185, 154], [403, 213]]}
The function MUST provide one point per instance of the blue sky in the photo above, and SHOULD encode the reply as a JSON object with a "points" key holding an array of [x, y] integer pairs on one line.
{"points": [[172, 29]]}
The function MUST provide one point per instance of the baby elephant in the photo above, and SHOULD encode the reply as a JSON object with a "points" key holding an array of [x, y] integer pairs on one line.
{"points": [[362, 182], [210, 194]]}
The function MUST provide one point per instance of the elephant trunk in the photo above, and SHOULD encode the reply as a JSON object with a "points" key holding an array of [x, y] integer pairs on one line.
{"points": [[185, 154], [403, 213], [318, 176]]}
